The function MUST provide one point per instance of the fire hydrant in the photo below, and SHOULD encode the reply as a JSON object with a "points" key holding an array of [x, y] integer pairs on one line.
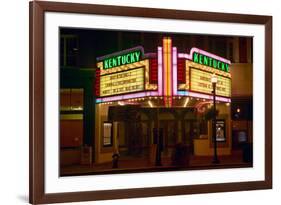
{"points": [[115, 158]]}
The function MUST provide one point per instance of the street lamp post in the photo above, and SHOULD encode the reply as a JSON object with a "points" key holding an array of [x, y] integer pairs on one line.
{"points": [[214, 80]]}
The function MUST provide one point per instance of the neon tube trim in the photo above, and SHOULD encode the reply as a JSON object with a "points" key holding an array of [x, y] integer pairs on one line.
{"points": [[184, 55], [168, 75], [170, 71], [200, 95], [160, 65], [197, 50], [204, 96], [126, 97], [175, 71], [121, 52], [164, 69]]}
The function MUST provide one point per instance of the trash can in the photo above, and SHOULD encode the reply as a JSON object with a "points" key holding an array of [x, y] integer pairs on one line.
{"points": [[86, 155], [115, 159]]}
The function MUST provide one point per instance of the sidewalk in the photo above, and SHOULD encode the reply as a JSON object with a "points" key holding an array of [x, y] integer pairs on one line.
{"points": [[133, 165]]}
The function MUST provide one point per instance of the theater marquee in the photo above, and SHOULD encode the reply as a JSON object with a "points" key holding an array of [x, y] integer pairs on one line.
{"points": [[200, 81], [166, 74], [122, 82]]}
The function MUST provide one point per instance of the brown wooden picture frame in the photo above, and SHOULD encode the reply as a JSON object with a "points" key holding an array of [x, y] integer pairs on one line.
{"points": [[37, 95]]}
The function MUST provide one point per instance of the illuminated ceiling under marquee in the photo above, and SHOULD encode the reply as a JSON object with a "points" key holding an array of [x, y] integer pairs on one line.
{"points": [[131, 68]]}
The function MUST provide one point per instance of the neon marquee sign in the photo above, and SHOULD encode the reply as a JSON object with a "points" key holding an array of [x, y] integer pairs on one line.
{"points": [[125, 74], [209, 61], [125, 57]]}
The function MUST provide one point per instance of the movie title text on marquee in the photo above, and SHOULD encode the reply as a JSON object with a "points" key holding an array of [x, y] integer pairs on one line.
{"points": [[122, 82], [200, 81]]}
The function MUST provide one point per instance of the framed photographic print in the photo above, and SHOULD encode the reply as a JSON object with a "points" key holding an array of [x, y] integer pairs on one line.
{"points": [[139, 102]]}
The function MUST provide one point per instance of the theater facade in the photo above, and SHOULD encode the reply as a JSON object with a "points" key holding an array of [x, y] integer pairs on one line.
{"points": [[160, 99]]}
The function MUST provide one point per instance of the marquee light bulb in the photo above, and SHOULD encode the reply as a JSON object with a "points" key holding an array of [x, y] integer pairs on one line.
{"points": [[150, 103], [186, 102]]}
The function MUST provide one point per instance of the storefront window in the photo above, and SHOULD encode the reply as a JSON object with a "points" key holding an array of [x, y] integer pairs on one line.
{"points": [[71, 117]]}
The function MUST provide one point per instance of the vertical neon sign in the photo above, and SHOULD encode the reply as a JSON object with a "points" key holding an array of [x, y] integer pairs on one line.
{"points": [[175, 73], [167, 74], [160, 64]]}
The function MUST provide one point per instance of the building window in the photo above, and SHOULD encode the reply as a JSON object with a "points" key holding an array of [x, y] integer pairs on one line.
{"points": [[69, 48], [71, 99], [71, 117], [230, 51], [242, 50]]}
